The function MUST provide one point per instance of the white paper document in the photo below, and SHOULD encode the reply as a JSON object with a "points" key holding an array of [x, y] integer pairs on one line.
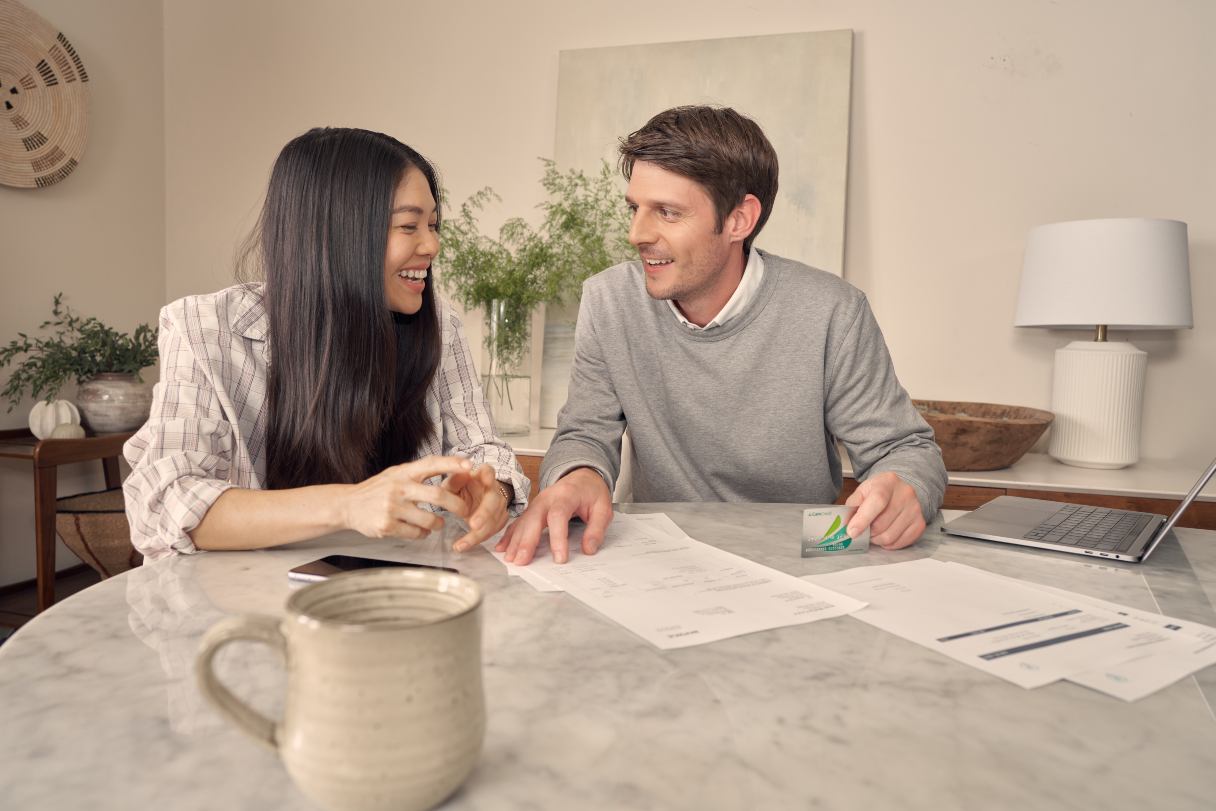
{"points": [[1027, 635], [1193, 648], [626, 529], [674, 591]]}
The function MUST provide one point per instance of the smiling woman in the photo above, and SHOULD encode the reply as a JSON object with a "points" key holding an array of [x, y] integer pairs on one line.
{"points": [[337, 394], [413, 241]]}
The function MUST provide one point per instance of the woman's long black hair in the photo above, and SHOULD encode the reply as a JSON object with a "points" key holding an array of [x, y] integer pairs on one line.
{"points": [[348, 378]]}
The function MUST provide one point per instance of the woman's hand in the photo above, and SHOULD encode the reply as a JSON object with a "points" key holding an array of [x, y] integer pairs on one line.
{"points": [[386, 505], [486, 508]]}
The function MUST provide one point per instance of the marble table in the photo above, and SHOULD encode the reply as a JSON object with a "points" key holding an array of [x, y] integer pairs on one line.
{"points": [[99, 710]]}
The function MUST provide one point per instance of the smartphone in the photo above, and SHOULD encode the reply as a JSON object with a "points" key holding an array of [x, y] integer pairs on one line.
{"points": [[334, 564]]}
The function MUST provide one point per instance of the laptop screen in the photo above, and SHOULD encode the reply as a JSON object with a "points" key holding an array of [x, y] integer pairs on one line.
{"points": [[1182, 505]]}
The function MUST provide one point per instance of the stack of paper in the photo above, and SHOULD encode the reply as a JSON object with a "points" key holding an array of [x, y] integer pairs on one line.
{"points": [[674, 591], [1030, 635]]}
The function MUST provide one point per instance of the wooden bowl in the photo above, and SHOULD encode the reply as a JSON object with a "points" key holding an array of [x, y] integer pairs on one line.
{"points": [[982, 436]]}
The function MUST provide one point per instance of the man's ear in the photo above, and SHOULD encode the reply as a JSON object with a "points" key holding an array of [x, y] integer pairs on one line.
{"points": [[742, 219]]}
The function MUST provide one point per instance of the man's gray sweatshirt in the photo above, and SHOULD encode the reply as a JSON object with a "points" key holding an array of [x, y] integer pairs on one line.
{"points": [[748, 411]]}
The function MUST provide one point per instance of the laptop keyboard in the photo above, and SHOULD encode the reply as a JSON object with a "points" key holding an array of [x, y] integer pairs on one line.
{"points": [[1091, 527]]}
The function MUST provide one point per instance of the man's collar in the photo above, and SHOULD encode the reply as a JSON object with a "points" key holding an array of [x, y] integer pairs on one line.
{"points": [[753, 273]]}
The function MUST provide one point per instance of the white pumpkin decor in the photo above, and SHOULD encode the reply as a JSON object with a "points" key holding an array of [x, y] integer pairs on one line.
{"points": [[67, 430], [45, 416]]}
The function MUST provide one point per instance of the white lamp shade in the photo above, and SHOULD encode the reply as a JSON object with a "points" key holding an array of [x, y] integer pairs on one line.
{"points": [[1123, 273]]}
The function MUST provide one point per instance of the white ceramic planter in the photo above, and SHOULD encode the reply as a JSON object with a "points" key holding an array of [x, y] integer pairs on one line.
{"points": [[111, 402]]}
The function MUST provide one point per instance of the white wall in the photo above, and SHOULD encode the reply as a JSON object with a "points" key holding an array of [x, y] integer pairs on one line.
{"points": [[97, 236], [973, 120]]}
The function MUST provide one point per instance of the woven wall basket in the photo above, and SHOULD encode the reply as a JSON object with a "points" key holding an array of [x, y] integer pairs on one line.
{"points": [[94, 526], [43, 100]]}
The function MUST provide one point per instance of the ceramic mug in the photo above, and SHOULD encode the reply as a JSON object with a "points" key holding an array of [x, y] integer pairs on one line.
{"points": [[384, 701]]}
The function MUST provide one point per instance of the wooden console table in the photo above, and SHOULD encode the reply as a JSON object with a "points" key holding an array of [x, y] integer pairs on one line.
{"points": [[46, 455], [1151, 485]]}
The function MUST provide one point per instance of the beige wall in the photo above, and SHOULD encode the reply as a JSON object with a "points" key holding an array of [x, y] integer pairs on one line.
{"points": [[973, 120], [98, 236]]}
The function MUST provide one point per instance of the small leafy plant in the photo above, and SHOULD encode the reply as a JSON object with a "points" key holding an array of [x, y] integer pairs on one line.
{"points": [[79, 348], [584, 229]]}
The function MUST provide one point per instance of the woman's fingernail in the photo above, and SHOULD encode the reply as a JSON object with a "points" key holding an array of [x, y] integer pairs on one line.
{"points": [[461, 547]]}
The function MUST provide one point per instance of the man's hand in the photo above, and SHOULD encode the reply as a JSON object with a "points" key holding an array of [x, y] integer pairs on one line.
{"points": [[581, 492], [487, 509], [887, 505]]}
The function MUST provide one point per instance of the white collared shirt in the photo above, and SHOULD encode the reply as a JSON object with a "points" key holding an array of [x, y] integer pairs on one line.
{"points": [[753, 274]]}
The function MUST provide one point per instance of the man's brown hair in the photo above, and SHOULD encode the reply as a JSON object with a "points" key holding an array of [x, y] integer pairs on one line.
{"points": [[722, 150]]}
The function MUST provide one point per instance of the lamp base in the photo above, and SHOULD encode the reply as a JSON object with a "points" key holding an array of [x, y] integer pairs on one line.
{"points": [[1097, 395]]}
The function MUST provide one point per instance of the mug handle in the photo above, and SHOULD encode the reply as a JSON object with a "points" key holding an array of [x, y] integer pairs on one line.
{"points": [[255, 628]]}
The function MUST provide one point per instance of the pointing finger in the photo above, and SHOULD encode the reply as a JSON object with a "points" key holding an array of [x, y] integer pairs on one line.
{"points": [[429, 466]]}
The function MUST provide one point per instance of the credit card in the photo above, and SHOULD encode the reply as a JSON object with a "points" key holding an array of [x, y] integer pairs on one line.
{"points": [[825, 532]]}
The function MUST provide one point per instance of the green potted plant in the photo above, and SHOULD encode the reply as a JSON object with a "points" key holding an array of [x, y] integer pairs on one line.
{"points": [[584, 228], [104, 362]]}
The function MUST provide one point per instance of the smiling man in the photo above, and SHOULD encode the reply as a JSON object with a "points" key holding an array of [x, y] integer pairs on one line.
{"points": [[736, 371]]}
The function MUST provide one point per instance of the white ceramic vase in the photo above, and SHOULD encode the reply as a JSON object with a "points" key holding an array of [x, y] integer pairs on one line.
{"points": [[113, 402]]}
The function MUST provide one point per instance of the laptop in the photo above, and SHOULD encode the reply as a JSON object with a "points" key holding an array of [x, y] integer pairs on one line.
{"points": [[1076, 528]]}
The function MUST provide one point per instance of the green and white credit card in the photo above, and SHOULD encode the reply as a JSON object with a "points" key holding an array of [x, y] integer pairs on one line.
{"points": [[825, 532]]}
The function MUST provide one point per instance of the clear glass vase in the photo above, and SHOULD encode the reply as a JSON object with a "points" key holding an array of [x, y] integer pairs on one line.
{"points": [[507, 380]]}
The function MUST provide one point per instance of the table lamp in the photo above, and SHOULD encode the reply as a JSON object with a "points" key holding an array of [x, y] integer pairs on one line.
{"points": [[1121, 274]]}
